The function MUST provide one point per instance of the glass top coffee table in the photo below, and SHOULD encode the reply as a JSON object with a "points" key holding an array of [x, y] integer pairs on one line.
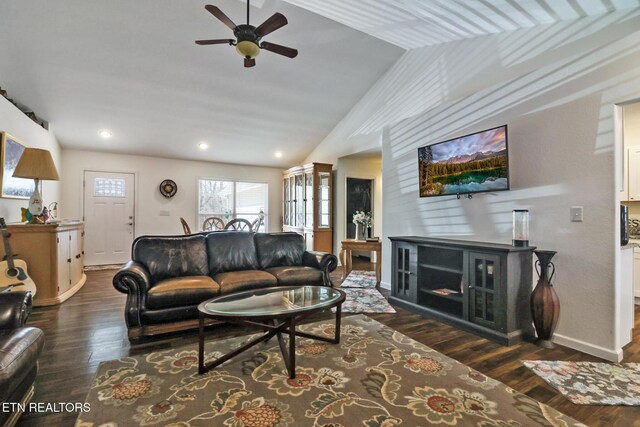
{"points": [[275, 310]]}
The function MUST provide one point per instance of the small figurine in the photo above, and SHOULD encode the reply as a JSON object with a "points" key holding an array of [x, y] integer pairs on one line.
{"points": [[45, 214], [28, 216]]}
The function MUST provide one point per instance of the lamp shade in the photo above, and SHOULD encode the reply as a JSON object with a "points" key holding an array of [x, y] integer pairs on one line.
{"points": [[36, 163]]}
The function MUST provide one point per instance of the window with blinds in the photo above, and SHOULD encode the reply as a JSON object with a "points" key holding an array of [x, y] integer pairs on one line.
{"points": [[232, 199]]}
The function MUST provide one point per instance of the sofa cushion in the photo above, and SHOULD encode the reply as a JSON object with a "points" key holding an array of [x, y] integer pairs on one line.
{"points": [[231, 251], [172, 256], [279, 249], [188, 290], [236, 281], [293, 275]]}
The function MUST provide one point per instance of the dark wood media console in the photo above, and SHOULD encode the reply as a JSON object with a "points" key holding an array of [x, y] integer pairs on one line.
{"points": [[480, 287]]}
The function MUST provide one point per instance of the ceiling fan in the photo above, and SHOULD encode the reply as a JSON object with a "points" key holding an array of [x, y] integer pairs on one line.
{"points": [[248, 40]]}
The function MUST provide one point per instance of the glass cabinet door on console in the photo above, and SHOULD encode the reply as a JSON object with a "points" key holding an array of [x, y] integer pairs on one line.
{"points": [[484, 290], [404, 280]]}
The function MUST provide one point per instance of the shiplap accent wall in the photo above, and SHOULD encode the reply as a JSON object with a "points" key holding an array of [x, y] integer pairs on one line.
{"points": [[556, 86]]}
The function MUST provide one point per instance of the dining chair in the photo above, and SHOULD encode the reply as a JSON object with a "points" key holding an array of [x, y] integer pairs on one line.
{"points": [[185, 226], [255, 225], [213, 223], [238, 224]]}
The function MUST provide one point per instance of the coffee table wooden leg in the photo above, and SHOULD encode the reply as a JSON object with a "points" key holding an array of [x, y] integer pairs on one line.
{"points": [[201, 346], [344, 266], [292, 348]]}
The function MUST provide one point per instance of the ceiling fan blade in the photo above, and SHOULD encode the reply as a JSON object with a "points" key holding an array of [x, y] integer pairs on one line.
{"points": [[221, 16], [216, 41], [280, 50], [248, 63], [270, 25]]}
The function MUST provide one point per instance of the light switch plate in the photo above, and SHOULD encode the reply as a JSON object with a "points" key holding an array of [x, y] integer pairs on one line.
{"points": [[576, 213], [165, 213]]}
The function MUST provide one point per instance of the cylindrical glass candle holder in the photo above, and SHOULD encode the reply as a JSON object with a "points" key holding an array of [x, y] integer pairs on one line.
{"points": [[520, 227]]}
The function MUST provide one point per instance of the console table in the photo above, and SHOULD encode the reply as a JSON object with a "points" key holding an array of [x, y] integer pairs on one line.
{"points": [[55, 258], [480, 287], [350, 245]]}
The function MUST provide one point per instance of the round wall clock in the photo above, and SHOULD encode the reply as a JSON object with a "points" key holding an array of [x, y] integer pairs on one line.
{"points": [[168, 188]]}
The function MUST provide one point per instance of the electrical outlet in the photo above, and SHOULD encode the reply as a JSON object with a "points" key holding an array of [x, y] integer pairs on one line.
{"points": [[576, 213], [165, 213]]}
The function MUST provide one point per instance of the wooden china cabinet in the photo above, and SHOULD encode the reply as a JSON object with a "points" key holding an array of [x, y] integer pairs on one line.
{"points": [[307, 204]]}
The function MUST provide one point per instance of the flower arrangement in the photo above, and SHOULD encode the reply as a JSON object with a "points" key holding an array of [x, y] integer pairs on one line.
{"points": [[362, 218]]}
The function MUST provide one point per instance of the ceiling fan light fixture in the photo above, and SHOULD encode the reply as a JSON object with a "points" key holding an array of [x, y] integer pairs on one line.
{"points": [[248, 38], [248, 49]]}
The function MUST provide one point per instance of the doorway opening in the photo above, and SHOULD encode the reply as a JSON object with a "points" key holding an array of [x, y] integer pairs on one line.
{"points": [[359, 199], [358, 187]]}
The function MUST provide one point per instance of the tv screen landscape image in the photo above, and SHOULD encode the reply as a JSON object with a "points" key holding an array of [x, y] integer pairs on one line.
{"points": [[473, 163]]}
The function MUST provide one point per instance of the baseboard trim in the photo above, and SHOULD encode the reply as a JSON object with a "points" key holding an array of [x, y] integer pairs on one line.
{"points": [[594, 350], [385, 285], [13, 419]]}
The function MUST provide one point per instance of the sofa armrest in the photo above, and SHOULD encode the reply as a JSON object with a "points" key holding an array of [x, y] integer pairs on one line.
{"points": [[323, 261], [133, 279], [19, 353], [15, 307]]}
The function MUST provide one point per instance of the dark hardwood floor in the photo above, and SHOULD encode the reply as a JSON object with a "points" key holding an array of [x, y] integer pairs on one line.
{"points": [[89, 328]]}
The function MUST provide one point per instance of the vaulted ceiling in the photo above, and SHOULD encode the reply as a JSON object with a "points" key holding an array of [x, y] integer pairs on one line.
{"points": [[418, 23], [132, 67]]}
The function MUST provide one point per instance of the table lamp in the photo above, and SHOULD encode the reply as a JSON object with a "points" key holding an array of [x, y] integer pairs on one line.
{"points": [[36, 164]]}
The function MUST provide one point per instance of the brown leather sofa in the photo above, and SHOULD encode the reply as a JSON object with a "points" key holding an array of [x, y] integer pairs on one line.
{"points": [[169, 276], [20, 348]]}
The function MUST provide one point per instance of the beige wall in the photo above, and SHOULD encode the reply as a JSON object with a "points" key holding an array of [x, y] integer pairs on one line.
{"points": [[15, 123], [150, 171]]}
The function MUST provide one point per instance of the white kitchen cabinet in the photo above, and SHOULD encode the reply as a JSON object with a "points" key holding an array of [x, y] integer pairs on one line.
{"points": [[70, 259], [633, 166]]}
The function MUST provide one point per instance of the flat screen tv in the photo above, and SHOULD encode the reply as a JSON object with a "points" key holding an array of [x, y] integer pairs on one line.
{"points": [[473, 163]]}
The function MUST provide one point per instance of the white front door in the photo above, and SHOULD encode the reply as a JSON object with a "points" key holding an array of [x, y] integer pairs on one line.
{"points": [[108, 217]]}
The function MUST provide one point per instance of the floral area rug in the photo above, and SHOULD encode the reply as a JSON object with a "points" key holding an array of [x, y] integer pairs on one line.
{"points": [[362, 295], [589, 383], [360, 279], [375, 377], [362, 300]]}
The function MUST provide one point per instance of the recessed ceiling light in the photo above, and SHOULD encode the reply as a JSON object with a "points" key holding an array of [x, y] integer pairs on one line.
{"points": [[203, 146], [278, 154], [105, 134]]}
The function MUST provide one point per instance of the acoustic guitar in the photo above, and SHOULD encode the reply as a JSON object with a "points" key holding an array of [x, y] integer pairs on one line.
{"points": [[13, 272]]}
